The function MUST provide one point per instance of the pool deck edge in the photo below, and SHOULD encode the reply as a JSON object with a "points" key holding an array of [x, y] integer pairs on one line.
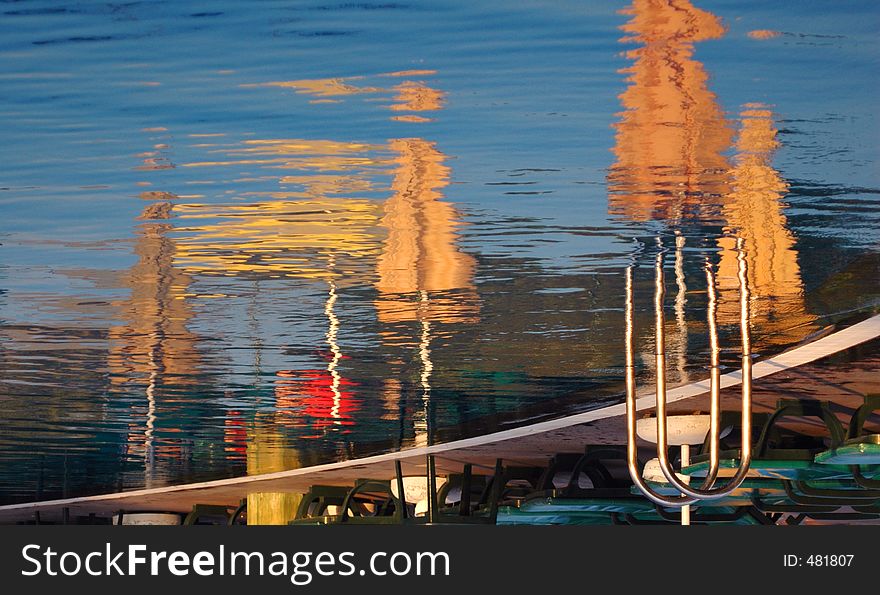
{"points": [[225, 489]]}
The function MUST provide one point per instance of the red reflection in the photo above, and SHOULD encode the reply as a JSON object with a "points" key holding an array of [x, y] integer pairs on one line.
{"points": [[235, 435], [321, 395]]}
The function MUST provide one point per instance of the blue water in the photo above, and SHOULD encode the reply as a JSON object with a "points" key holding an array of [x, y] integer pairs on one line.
{"points": [[239, 237]]}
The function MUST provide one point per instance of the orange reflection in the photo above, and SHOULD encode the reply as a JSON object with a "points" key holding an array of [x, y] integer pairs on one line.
{"points": [[755, 213], [763, 34], [422, 275], [420, 253], [416, 97], [409, 96], [154, 339], [153, 346], [670, 165], [672, 134]]}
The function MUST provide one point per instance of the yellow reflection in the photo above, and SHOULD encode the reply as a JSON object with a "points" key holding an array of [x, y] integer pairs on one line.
{"points": [[321, 185], [672, 134], [275, 237], [267, 451], [290, 232], [285, 153], [417, 97], [405, 73], [754, 212], [272, 508], [330, 87], [411, 118], [408, 96], [264, 450]]}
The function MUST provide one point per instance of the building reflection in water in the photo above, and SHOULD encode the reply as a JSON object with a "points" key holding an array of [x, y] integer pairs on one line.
{"points": [[420, 252], [411, 238], [423, 277], [753, 210], [329, 223], [671, 165], [316, 229], [671, 137], [153, 347], [293, 232]]}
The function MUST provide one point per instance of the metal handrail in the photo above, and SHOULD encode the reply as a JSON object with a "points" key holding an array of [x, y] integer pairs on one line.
{"points": [[631, 450], [706, 491], [746, 441]]}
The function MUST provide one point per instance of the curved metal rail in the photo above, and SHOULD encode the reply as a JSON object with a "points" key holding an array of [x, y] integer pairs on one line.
{"points": [[706, 491]]}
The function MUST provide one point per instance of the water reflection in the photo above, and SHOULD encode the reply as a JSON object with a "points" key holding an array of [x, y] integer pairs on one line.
{"points": [[754, 211], [671, 138], [422, 275], [298, 248], [294, 230], [329, 223], [322, 396], [420, 253], [155, 335], [413, 95], [325, 88], [316, 229], [671, 165], [153, 347]]}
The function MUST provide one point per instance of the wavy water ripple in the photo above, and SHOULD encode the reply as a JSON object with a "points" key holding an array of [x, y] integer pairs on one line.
{"points": [[275, 234]]}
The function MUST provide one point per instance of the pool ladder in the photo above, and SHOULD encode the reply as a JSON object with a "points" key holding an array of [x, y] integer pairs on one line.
{"points": [[707, 491]]}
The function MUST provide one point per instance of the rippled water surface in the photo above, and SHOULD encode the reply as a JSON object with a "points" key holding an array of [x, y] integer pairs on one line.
{"points": [[239, 237]]}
